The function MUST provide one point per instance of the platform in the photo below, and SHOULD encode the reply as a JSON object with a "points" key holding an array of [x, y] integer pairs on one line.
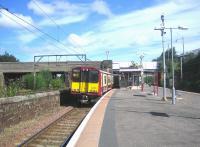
{"points": [[132, 118]]}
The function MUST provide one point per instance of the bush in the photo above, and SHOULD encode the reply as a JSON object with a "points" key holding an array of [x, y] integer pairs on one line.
{"points": [[11, 90], [28, 81], [40, 82], [42, 79], [47, 77], [2, 92], [57, 83], [148, 80]]}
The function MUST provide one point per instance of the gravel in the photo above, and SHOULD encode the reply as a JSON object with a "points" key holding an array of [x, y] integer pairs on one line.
{"points": [[16, 134]]}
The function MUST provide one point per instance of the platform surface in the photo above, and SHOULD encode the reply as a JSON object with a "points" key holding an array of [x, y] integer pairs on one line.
{"points": [[139, 119]]}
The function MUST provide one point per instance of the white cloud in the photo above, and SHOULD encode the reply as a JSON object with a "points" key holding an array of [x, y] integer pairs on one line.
{"points": [[64, 20], [77, 41], [25, 37], [9, 20], [48, 8], [57, 7], [135, 30], [64, 12], [123, 35], [46, 48], [101, 7]]}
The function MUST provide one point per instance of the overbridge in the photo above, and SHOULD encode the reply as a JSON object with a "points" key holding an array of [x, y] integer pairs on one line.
{"points": [[13, 70]]}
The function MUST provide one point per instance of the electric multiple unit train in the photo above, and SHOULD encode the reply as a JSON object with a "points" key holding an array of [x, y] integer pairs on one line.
{"points": [[88, 83]]}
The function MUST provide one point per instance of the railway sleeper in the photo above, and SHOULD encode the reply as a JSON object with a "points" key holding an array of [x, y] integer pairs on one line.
{"points": [[66, 124], [58, 132], [46, 142], [61, 128], [54, 137]]}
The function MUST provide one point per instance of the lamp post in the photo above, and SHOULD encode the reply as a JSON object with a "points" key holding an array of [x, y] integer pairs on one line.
{"points": [[162, 28], [164, 65], [173, 87]]}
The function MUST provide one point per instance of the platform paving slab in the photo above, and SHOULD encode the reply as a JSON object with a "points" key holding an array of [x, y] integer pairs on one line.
{"points": [[139, 119]]}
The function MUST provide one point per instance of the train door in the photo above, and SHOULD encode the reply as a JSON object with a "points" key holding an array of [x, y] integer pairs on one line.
{"points": [[84, 83], [104, 82], [93, 82]]}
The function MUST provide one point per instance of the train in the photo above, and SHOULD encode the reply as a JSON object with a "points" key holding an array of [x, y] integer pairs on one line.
{"points": [[89, 83]]}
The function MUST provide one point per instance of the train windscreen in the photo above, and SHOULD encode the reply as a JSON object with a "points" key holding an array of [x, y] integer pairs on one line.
{"points": [[84, 76], [76, 75], [93, 76]]}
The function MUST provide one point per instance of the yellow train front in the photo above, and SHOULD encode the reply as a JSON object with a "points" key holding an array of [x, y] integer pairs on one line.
{"points": [[88, 83]]}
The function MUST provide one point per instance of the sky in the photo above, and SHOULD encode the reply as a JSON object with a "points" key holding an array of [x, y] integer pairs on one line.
{"points": [[123, 30]]}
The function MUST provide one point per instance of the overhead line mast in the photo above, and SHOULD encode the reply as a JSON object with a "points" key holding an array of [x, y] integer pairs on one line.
{"points": [[50, 18]]}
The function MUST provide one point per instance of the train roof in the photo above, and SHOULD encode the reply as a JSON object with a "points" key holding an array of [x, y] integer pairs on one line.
{"points": [[90, 68], [85, 67]]}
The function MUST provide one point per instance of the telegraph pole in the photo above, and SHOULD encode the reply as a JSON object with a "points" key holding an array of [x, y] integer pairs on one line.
{"points": [[107, 53], [173, 88], [142, 72], [182, 56], [162, 28]]}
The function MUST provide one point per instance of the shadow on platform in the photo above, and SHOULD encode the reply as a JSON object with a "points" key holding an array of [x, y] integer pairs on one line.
{"points": [[156, 114]]}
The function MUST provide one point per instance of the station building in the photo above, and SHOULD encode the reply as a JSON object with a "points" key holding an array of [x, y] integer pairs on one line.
{"points": [[130, 75]]}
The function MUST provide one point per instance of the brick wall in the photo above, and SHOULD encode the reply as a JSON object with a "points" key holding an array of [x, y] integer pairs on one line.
{"points": [[19, 108]]}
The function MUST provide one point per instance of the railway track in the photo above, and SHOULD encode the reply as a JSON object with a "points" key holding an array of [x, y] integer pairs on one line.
{"points": [[58, 132]]}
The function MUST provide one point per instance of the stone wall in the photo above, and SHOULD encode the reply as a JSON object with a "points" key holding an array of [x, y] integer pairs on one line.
{"points": [[20, 108]]}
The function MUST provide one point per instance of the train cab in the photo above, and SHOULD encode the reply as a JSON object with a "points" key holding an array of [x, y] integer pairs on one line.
{"points": [[88, 83]]}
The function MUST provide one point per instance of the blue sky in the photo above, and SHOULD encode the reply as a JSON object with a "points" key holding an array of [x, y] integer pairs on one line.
{"points": [[124, 28]]}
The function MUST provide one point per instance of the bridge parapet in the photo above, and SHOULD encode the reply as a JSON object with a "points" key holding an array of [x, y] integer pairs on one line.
{"points": [[23, 67], [14, 70]]}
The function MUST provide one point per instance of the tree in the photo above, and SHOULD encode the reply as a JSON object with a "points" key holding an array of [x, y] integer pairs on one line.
{"points": [[191, 73], [168, 62], [6, 57], [134, 65]]}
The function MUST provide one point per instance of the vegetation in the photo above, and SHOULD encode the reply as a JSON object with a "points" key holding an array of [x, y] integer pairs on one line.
{"points": [[134, 65], [191, 73], [191, 70], [6, 57], [168, 63], [43, 81], [11, 90], [57, 83], [148, 80], [28, 81]]}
